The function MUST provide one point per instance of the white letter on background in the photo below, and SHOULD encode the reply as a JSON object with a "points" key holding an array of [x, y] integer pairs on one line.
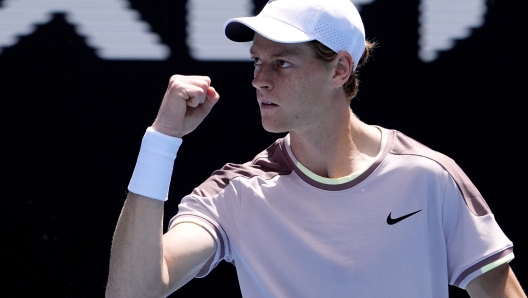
{"points": [[111, 27]]}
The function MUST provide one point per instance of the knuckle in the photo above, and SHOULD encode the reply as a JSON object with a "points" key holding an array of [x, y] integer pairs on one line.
{"points": [[201, 84], [173, 84], [174, 78], [200, 92]]}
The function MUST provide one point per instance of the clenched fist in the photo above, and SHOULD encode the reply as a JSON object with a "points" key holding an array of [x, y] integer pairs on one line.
{"points": [[188, 100]]}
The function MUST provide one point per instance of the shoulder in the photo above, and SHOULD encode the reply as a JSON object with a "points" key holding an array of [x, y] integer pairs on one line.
{"points": [[267, 165], [404, 145]]}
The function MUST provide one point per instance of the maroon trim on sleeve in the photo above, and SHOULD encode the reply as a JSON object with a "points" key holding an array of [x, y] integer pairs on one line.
{"points": [[481, 264], [346, 185], [268, 164], [403, 145]]}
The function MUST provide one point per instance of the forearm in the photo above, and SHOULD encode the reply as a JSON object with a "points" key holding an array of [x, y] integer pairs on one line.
{"points": [[137, 266]]}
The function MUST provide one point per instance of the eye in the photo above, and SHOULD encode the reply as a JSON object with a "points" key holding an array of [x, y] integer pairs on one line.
{"points": [[256, 60], [283, 64]]}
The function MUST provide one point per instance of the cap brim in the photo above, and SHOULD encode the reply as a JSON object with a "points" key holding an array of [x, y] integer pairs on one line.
{"points": [[243, 29]]}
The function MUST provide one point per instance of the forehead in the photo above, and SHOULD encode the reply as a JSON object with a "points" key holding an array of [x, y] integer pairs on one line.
{"points": [[264, 46]]}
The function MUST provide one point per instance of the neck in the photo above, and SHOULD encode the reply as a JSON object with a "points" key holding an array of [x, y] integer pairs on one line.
{"points": [[337, 146]]}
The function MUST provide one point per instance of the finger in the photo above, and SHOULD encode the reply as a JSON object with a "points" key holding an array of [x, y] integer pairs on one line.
{"points": [[192, 94], [192, 104], [193, 89], [197, 79], [196, 91], [198, 98], [179, 81]]}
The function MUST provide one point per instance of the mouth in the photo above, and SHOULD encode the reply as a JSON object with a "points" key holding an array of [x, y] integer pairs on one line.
{"points": [[266, 103]]}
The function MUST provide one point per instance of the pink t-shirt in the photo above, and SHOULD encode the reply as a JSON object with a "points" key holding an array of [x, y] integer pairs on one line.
{"points": [[407, 226]]}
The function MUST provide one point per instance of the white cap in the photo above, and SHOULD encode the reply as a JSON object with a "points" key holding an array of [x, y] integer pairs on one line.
{"points": [[334, 23]]}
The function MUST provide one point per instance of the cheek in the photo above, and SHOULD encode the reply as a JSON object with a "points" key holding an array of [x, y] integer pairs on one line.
{"points": [[304, 88], [312, 82]]}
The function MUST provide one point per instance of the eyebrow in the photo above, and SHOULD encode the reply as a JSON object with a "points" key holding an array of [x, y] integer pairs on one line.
{"points": [[283, 53]]}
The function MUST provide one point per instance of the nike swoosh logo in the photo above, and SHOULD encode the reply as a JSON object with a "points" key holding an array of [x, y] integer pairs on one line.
{"points": [[392, 221]]}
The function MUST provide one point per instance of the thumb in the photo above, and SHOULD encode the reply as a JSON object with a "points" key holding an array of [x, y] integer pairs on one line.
{"points": [[211, 100]]}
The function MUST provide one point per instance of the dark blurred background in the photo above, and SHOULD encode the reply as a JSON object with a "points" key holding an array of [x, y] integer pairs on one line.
{"points": [[72, 124]]}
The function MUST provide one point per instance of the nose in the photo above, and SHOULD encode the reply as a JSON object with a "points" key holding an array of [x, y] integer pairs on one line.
{"points": [[261, 77]]}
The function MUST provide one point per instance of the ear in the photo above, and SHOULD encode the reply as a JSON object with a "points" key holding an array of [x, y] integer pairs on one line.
{"points": [[343, 68]]}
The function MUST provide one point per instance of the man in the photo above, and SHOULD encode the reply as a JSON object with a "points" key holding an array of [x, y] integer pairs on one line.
{"points": [[337, 208]]}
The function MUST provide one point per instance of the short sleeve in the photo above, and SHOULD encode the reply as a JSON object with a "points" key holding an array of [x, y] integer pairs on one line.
{"points": [[475, 243], [217, 214]]}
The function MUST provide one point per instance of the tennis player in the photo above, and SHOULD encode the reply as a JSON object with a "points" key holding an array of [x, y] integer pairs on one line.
{"points": [[337, 208]]}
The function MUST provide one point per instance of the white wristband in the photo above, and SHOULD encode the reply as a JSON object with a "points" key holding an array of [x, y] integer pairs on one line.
{"points": [[154, 165]]}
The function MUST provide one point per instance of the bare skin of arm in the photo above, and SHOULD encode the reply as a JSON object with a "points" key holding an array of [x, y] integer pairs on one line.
{"points": [[499, 282], [144, 262]]}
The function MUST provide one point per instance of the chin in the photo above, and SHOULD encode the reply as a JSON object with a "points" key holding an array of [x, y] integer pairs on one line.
{"points": [[273, 127]]}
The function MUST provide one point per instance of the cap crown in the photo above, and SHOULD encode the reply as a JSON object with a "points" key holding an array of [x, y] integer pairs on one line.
{"points": [[335, 23]]}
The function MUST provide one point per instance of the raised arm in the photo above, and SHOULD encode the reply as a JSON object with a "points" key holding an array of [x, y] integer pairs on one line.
{"points": [[144, 262]]}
